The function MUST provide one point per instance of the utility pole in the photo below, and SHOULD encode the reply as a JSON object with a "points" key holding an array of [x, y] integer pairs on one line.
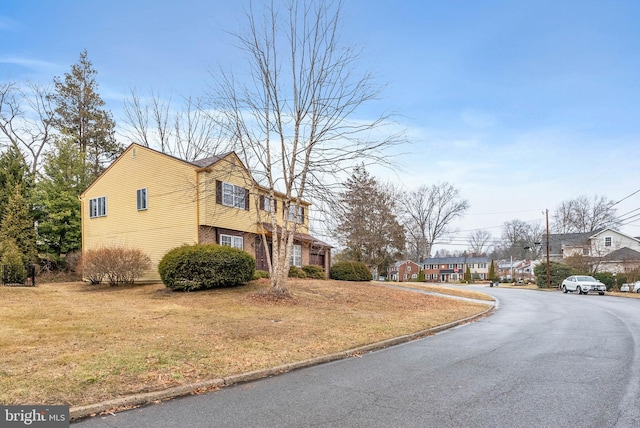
{"points": [[548, 264]]}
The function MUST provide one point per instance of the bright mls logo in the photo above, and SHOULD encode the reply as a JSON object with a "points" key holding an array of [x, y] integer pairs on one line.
{"points": [[34, 416]]}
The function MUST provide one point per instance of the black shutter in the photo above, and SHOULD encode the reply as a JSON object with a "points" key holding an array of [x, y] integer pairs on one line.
{"points": [[262, 202], [218, 192], [246, 199]]}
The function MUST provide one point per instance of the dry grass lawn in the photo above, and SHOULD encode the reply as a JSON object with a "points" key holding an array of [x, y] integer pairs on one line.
{"points": [[77, 344]]}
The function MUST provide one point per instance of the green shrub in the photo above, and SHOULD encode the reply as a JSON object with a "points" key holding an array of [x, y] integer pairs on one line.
{"points": [[608, 279], [558, 272], [350, 271], [313, 271], [195, 267], [259, 274], [296, 272], [12, 267]]}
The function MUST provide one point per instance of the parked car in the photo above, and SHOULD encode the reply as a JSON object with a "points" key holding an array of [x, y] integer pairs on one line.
{"points": [[634, 287], [583, 284]]}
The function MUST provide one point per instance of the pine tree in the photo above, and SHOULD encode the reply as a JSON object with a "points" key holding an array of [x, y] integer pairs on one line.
{"points": [[17, 225], [13, 171], [467, 275], [80, 115], [368, 228], [492, 271], [56, 199]]}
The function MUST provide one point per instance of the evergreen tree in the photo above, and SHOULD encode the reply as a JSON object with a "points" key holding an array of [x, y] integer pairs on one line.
{"points": [[13, 171], [17, 225], [56, 199], [368, 228], [80, 114], [467, 275], [492, 271]]}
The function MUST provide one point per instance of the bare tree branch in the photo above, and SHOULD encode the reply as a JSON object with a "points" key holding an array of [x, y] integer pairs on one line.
{"points": [[293, 121]]}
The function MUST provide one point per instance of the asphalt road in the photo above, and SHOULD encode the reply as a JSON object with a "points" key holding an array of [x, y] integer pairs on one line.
{"points": [[544, 359]]}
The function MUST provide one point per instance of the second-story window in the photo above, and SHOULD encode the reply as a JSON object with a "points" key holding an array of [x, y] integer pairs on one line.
{"points": [[231, 195], [607, 241], [266, 203], [141, 196], [98, 207], [296, 214]]}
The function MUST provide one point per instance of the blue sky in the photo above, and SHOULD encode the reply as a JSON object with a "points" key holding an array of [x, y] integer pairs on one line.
{"points": [[520, 104]]}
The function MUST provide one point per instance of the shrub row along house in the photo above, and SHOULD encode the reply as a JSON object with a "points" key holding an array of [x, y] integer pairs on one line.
{"points": [[440, 269], [155, 202]]}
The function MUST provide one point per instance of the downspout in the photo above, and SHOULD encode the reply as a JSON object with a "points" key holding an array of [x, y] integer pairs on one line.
{"points": [[82, 234], [198, 207]]}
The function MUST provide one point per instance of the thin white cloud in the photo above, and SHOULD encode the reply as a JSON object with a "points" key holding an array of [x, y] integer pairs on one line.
{"points": [[27, 62]]}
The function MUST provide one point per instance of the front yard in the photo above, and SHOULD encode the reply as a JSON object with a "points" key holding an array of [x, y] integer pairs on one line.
{"points": [[77, 344]]}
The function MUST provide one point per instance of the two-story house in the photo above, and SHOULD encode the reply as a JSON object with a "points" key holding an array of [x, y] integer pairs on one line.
{"points": [[402, 271], [155, 202], [605, 249], [453, 269]]}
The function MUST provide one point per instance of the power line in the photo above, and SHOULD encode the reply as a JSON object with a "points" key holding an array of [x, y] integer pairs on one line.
{"points": [[626, 197]]}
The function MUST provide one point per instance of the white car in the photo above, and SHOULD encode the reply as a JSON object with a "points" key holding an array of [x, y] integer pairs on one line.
{"points": [[635, 286], [583, 285]]}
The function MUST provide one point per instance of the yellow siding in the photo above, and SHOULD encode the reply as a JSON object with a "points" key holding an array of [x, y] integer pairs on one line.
{"points": [[170, 219], [230, 170], [181, 197], [213, 214]]}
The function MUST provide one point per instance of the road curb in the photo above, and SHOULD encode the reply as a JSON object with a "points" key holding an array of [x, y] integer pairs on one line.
{"points": [[138, 400]]}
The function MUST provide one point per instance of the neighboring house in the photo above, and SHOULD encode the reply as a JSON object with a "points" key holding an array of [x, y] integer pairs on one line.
{"points": [[619, 261], [452, 269], [155, 202], [605, 250], [403, 271]]}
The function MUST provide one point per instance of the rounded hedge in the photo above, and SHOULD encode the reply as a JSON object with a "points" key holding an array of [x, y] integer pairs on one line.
{"points": [[296, 272], [350, 271], [195, 267], [314, 272]]}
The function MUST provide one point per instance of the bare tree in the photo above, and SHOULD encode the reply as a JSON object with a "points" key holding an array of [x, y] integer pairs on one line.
{"points": [[188, 132], [428, 213], [291, 121], [479, 242], [521, 240], [26, 117], [584, 215]]}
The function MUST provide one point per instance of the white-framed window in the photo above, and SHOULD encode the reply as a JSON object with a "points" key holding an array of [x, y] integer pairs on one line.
{"points": [[607, 241], [232, 241], [267, 203], [296, 214], [414, 276], [450, 266], [296, 256], [233, 196], [470, 265], [98, 207], [482, 265], [409, 268], [141, 198]]}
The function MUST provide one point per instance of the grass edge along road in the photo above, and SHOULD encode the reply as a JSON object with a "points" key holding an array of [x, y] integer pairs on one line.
{"points": [[77, 344]]}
